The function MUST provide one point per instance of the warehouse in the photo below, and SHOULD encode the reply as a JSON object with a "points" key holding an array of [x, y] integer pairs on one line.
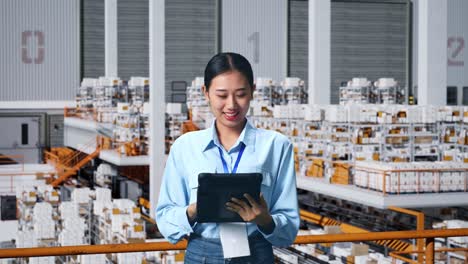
{"points": [[371, 95]]}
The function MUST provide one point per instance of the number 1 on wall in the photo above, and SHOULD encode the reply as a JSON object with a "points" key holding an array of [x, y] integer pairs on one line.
{"points": [[254, 38]]}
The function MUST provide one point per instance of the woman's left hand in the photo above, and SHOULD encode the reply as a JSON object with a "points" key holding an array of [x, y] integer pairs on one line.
{"points": [[252, 211]]}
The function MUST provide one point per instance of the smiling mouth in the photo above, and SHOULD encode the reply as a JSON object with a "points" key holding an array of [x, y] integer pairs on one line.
{"points": [[231, 115]]}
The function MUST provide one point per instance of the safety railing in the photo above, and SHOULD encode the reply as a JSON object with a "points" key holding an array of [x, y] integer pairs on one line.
{"points": [[14, 170], [69, 165], [419, 226], [57, 155], [427, 235], [51, 158]]}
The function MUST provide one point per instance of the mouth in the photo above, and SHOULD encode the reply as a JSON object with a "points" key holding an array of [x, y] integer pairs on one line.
{"points": [[231, 116]]}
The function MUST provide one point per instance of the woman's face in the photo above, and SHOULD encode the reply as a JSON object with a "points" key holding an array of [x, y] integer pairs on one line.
{"points": [[229, 96]]}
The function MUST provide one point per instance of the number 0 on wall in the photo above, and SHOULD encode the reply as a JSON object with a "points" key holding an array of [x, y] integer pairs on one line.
{"points": [[26, 38]]}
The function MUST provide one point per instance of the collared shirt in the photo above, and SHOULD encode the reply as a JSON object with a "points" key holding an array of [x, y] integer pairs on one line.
{"points": [[266, 151]]}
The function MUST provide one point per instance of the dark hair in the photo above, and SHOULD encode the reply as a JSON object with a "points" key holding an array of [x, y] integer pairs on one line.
{"points": [[225, 62]]}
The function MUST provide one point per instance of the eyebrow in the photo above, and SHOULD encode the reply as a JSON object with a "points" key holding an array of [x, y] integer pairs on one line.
{"points": [[225, 90]]}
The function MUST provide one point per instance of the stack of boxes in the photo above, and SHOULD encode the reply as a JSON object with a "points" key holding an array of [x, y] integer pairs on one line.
{"points": [[389, 92], [362, 91], [450, 118], [341, 173], [197, 105], [329, 139], [138, 92], [44, 225], [126, 132], [357, 91], [123, 107], [115, 221], [84, 98], [104, 174], [118, 221], [452, 257], [339, 147], [126, 221], [316, 169], [73, 226], [294, 91], [37, 208], [333, 252], [175, 119], [195, 96], [262, 102], [105, 98], [145, 129], [411, 177], [42, 260], [425, 142], [377, 133], [92, 259]]}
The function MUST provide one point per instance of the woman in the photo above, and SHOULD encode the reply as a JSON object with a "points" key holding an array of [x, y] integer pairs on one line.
{"points": [[231, 140]]}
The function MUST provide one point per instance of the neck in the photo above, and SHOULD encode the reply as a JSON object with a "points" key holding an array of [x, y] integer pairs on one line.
{"points": [[228, 135]]}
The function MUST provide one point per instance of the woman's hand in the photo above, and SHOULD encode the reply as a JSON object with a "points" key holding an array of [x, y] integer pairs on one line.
{"points": [[253, 211], [192, 212]]}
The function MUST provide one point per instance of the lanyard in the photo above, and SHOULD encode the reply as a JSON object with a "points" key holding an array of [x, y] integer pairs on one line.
{"points": [[239, 156]]}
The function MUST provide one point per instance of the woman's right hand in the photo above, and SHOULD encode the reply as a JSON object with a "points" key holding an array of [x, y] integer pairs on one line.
{"points": [[192, 212]]}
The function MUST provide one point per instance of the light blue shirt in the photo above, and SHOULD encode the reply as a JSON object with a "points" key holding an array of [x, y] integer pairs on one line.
{"points": [[266, 151]]}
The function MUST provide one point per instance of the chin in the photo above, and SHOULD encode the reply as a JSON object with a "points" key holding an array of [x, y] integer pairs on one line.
{"points": [[234, 123]]}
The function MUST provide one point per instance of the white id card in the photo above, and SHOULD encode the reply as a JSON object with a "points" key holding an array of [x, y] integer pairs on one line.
{"points": [[234, 240]]}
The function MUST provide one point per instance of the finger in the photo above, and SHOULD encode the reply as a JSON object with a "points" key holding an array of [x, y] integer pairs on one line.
{"points": [[235, 207], [240, 203], [241, 213], [251, 200], [231, 209], [263, 201]]}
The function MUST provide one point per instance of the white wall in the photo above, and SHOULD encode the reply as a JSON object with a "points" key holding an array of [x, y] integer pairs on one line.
{"points": [[258, 30], [457, 53], [457, 43], [39, 50]]}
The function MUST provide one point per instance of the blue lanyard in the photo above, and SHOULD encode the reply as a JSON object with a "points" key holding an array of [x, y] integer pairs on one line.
{"points": [[239, 156]]}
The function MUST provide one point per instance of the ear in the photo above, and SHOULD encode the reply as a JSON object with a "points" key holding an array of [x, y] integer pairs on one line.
{"points": [[205, 93]]}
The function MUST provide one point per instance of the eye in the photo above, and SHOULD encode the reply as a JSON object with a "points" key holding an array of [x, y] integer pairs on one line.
{"points": [[222, 96], [241, 95]]}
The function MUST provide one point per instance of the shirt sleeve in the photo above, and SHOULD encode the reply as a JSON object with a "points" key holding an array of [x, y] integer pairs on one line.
{"points": [[284, 206], [173, 201]]}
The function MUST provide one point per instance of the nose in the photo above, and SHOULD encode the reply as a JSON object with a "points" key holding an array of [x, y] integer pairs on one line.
{"points": [[231, 102]]}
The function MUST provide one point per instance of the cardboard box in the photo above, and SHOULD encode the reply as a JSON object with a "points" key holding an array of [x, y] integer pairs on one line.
{"points": [[359, 249]]}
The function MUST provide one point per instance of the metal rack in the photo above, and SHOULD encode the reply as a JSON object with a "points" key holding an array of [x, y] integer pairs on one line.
{"points": [[357, 95], [367, 141], [396, 143], [425, 142], [144, 131], [126, 131], [339, 139], [461, 256], [449, 146]]}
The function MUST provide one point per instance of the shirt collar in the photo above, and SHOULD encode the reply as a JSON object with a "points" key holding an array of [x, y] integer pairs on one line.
{"points": [[247, 137]]}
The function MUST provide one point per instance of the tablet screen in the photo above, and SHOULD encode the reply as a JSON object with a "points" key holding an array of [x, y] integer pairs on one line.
{"points": [[216, 189]]}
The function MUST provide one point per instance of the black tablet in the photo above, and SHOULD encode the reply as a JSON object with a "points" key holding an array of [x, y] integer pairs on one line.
{"points": [[216, 189]]}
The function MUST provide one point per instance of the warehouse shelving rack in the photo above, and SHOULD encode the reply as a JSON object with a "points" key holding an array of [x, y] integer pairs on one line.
{"points": [[396, 143], [357, 95], [425, 137], [366, 136]]}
